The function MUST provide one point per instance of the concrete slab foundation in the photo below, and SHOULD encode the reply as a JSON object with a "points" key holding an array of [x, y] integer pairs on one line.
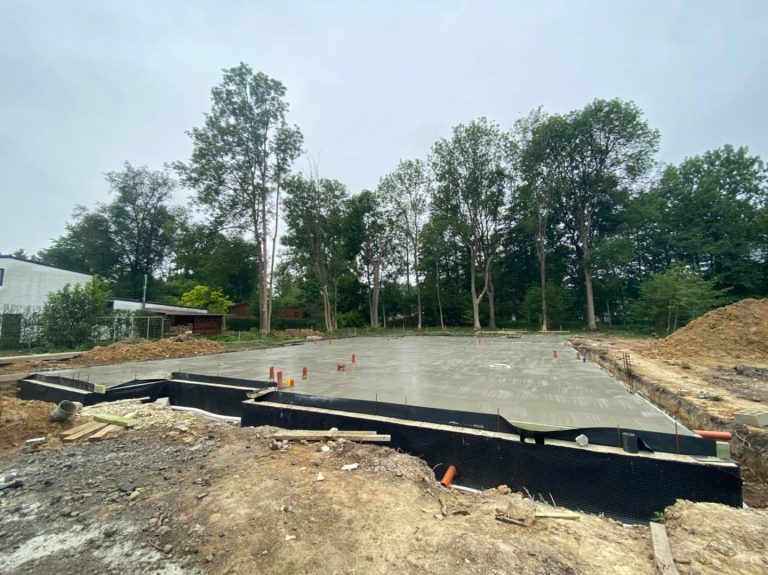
{"points": [[521, 379]]}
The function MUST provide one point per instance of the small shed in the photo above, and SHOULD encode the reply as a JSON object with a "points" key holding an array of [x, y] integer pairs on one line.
{"points": [[178, 318]]}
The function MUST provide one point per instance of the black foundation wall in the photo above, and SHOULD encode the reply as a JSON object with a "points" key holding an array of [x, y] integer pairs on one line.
{"points": [[625, 487], [39, 392]]}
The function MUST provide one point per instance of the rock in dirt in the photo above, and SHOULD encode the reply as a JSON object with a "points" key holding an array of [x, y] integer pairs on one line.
{"points": [[126, 487], [523, 510]]}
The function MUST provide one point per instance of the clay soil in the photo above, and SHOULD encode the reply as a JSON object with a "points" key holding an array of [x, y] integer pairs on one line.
{"points": [[122, 352], [180, 494]]}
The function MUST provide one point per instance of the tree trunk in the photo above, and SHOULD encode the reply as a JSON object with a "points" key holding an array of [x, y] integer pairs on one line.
{"points": [[327, 310], [591, 322], [540, 247], [264, 326], [473, 289], [374, 305], [491, 302], [439, 302], [418, 289]]}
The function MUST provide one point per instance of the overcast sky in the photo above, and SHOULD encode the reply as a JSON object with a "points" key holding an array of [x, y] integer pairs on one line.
{"points": [[86, 86]]}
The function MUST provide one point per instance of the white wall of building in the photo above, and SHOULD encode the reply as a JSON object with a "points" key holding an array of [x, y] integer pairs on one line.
{"points": [[28, 284]]}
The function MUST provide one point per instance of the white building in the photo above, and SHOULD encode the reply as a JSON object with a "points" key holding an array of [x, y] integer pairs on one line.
{"points": [[25, 284]]}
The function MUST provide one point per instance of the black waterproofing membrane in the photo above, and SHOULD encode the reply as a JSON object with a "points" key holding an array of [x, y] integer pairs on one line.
{"points": [[625, 486]]}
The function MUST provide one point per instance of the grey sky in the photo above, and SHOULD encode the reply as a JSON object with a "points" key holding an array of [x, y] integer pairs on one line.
{"points": [[85, 86]]}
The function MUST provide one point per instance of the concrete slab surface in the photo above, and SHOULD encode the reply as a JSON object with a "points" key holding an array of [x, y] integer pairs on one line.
{"points": [[519, 377]]}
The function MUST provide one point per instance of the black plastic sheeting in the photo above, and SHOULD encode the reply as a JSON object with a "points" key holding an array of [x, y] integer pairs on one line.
{"points": [[609, 436], [31, 390], [625, 487]]}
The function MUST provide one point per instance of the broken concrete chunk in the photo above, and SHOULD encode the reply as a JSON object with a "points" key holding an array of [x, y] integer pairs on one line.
{"points": [[350, 467]]}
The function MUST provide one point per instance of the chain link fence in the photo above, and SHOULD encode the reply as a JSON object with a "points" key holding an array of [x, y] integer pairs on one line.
{"points": [[20, 327]]}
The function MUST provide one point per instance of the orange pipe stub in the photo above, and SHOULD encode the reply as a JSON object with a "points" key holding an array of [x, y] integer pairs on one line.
{"points": [[718, 435], [447, 479]]}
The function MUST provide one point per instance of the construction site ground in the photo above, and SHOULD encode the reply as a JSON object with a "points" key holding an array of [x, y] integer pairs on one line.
{"points": [[183, 494]]}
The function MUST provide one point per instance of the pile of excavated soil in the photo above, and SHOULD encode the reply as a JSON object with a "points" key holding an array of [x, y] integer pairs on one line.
{"points": [[735, 332], [121, 352], [21, 420]]}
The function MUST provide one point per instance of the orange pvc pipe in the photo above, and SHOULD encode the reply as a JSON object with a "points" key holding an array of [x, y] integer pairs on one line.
{"points": [[279, 379], [719, 435], [354, 359], [271, 374], [303, 373], [447, 479]]}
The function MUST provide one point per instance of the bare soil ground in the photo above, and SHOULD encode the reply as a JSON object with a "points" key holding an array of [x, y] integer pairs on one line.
{"points": [[180, 494], [121, 352]]}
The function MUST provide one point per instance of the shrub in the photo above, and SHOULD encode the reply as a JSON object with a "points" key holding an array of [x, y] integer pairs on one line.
{"points": [[69, 317]]}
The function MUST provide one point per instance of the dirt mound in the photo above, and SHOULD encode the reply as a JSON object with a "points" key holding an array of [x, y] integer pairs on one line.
{"points": [[121, 352], [22, 420], [737, 331]]}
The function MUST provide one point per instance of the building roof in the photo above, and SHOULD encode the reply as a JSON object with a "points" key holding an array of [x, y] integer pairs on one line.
{"points": [[4, 257]]}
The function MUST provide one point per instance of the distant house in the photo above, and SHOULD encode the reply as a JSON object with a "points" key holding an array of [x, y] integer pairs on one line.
{"points": [[242, 309], [177, 317], [25, 284]]}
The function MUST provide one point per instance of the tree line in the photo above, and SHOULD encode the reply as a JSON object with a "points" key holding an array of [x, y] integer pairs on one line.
{"points": [[560, 220]]}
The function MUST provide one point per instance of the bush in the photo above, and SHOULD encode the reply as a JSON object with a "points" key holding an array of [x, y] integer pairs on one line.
{"points": [[351, 319], [290, 323], [70, 316], [243, 323], [252, 323]]}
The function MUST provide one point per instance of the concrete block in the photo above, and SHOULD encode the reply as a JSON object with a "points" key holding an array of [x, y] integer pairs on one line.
{"points": [[754, 418]]}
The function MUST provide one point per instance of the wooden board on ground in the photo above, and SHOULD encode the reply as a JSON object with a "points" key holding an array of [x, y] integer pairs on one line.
{"points": [[79, 428], [662, 553], [115, 419], [83, 433], [106, 432], [320, 435]]}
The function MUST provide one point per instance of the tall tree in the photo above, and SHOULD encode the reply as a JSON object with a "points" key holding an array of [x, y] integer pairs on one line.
{"points": [[86, 247], [313, 216], [407, 190], [711, 207], [126, 239], [472, 173], [539, 166], [141, 222], [604, 149], [369, 231], [240, 160]]}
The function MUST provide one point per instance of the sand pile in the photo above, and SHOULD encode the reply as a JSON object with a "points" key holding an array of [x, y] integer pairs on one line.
{"points": [[735, 332], [121, 352]]}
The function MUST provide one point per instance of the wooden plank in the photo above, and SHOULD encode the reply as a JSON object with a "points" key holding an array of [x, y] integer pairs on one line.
{"points": [[329, 436], [81, 434], [115, 419], [662, 553], [556, 515], [105, 432], [79, 428]]}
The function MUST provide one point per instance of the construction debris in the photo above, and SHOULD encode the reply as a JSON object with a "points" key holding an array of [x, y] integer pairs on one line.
{"points": [[315, 435], [662, 553]]}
